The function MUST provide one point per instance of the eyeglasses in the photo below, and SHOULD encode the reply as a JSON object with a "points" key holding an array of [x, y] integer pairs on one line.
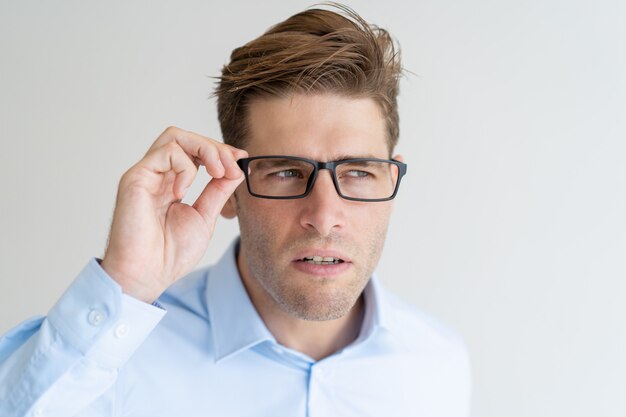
{"points": [[289, 177]]}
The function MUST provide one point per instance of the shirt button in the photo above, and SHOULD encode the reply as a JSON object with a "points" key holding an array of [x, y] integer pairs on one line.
{"points": [[121, 330], [38, 412], [96, 317], [278, 350]]}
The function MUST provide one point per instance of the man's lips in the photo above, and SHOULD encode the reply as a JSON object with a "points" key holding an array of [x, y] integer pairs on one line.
{"points": [[321, 262], [324, 255]]}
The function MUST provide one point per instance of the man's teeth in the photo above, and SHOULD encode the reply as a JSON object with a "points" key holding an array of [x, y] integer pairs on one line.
{"points": [[321, 260]]}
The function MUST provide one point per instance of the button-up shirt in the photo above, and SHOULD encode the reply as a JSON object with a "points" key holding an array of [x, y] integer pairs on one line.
{"points": [[203, 350]]}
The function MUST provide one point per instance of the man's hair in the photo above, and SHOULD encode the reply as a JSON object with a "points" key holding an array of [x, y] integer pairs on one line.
{"points": [[315, 51]]}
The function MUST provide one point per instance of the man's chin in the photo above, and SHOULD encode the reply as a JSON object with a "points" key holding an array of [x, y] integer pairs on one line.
{"points": [[314, 303], [319, 314]]}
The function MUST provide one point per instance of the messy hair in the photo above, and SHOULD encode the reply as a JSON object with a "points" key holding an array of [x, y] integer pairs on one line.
{"points": [[315, 51]]}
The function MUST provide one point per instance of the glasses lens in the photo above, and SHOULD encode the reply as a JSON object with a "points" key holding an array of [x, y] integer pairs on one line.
{"points": [[279, 177], [369, 180]]}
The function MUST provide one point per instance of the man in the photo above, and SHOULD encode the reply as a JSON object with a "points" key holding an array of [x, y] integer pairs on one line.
{"points": [[290, 322]]}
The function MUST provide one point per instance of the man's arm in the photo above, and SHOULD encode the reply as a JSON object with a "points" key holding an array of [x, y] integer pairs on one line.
{"points": [[62, 363], [59, 364]]}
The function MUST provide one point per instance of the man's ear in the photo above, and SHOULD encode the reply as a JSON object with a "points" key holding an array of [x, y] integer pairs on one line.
{"points": [[229, 211], [398, 158]]}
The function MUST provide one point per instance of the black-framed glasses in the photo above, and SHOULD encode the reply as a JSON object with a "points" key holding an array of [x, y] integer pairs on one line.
{"points": [[288, 177]]}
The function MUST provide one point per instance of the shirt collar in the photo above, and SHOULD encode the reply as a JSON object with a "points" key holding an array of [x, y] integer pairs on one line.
{"points": [[378, 312], [236, 325]]}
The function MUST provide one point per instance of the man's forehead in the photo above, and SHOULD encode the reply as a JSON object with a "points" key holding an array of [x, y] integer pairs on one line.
{"points": [[334, 126]]}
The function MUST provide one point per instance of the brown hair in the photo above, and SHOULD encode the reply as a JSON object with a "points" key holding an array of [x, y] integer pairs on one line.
{"points": [[315, 51]]}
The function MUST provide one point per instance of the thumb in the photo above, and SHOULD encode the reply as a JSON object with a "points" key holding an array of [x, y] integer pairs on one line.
{"points": [[214, 196]]}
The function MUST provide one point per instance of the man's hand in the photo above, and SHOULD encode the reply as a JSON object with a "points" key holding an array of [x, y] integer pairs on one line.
{"points": [[155, 239]]}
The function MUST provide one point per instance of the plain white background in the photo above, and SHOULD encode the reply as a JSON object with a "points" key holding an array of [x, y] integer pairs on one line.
{"points": [[509, 226]]}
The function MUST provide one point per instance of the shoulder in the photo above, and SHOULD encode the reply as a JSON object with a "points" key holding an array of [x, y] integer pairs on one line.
{"points": [[187, 294], [187, 325], [420, 331], [433, 355]]}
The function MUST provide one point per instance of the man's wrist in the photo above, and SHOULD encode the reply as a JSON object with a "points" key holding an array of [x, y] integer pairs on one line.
{"points": [[139, 292]]}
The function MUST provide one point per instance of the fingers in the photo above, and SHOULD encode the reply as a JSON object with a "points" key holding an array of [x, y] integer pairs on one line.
{"points": [[229, 162], [214, 197], [171, 157], [182, 152], [219, 159]]}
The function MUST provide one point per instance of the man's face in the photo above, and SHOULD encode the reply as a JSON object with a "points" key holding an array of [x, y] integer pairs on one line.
{"points": [[277, 235]]}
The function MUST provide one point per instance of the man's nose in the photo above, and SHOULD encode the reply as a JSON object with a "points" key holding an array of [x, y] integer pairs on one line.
{"points": [[323, 209]]}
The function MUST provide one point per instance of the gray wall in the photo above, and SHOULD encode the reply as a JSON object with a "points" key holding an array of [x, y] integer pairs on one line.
{"points": [[510, 225]]}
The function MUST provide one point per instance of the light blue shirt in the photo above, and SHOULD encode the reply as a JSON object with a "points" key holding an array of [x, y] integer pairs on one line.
{"points": [[206, 352]]}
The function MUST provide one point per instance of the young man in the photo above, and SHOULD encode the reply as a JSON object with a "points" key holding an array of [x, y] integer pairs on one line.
{"points": [[290, 322]]}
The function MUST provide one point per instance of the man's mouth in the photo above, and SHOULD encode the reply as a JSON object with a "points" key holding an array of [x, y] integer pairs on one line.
{"points": [[321, 260]]}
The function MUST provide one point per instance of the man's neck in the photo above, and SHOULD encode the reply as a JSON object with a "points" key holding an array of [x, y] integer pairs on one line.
{"points": [[317, 339]]}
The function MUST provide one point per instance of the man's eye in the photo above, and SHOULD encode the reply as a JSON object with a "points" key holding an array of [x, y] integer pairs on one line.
{"points": [[355, 173], [288, 173]]}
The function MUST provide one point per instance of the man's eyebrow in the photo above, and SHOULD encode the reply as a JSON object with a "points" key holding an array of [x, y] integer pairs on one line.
{"points": [[345, 156], [276, 162], [363, 164]]}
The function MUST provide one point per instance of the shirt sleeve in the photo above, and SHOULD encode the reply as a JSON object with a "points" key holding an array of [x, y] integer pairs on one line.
{"points": [[59, 364]]}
